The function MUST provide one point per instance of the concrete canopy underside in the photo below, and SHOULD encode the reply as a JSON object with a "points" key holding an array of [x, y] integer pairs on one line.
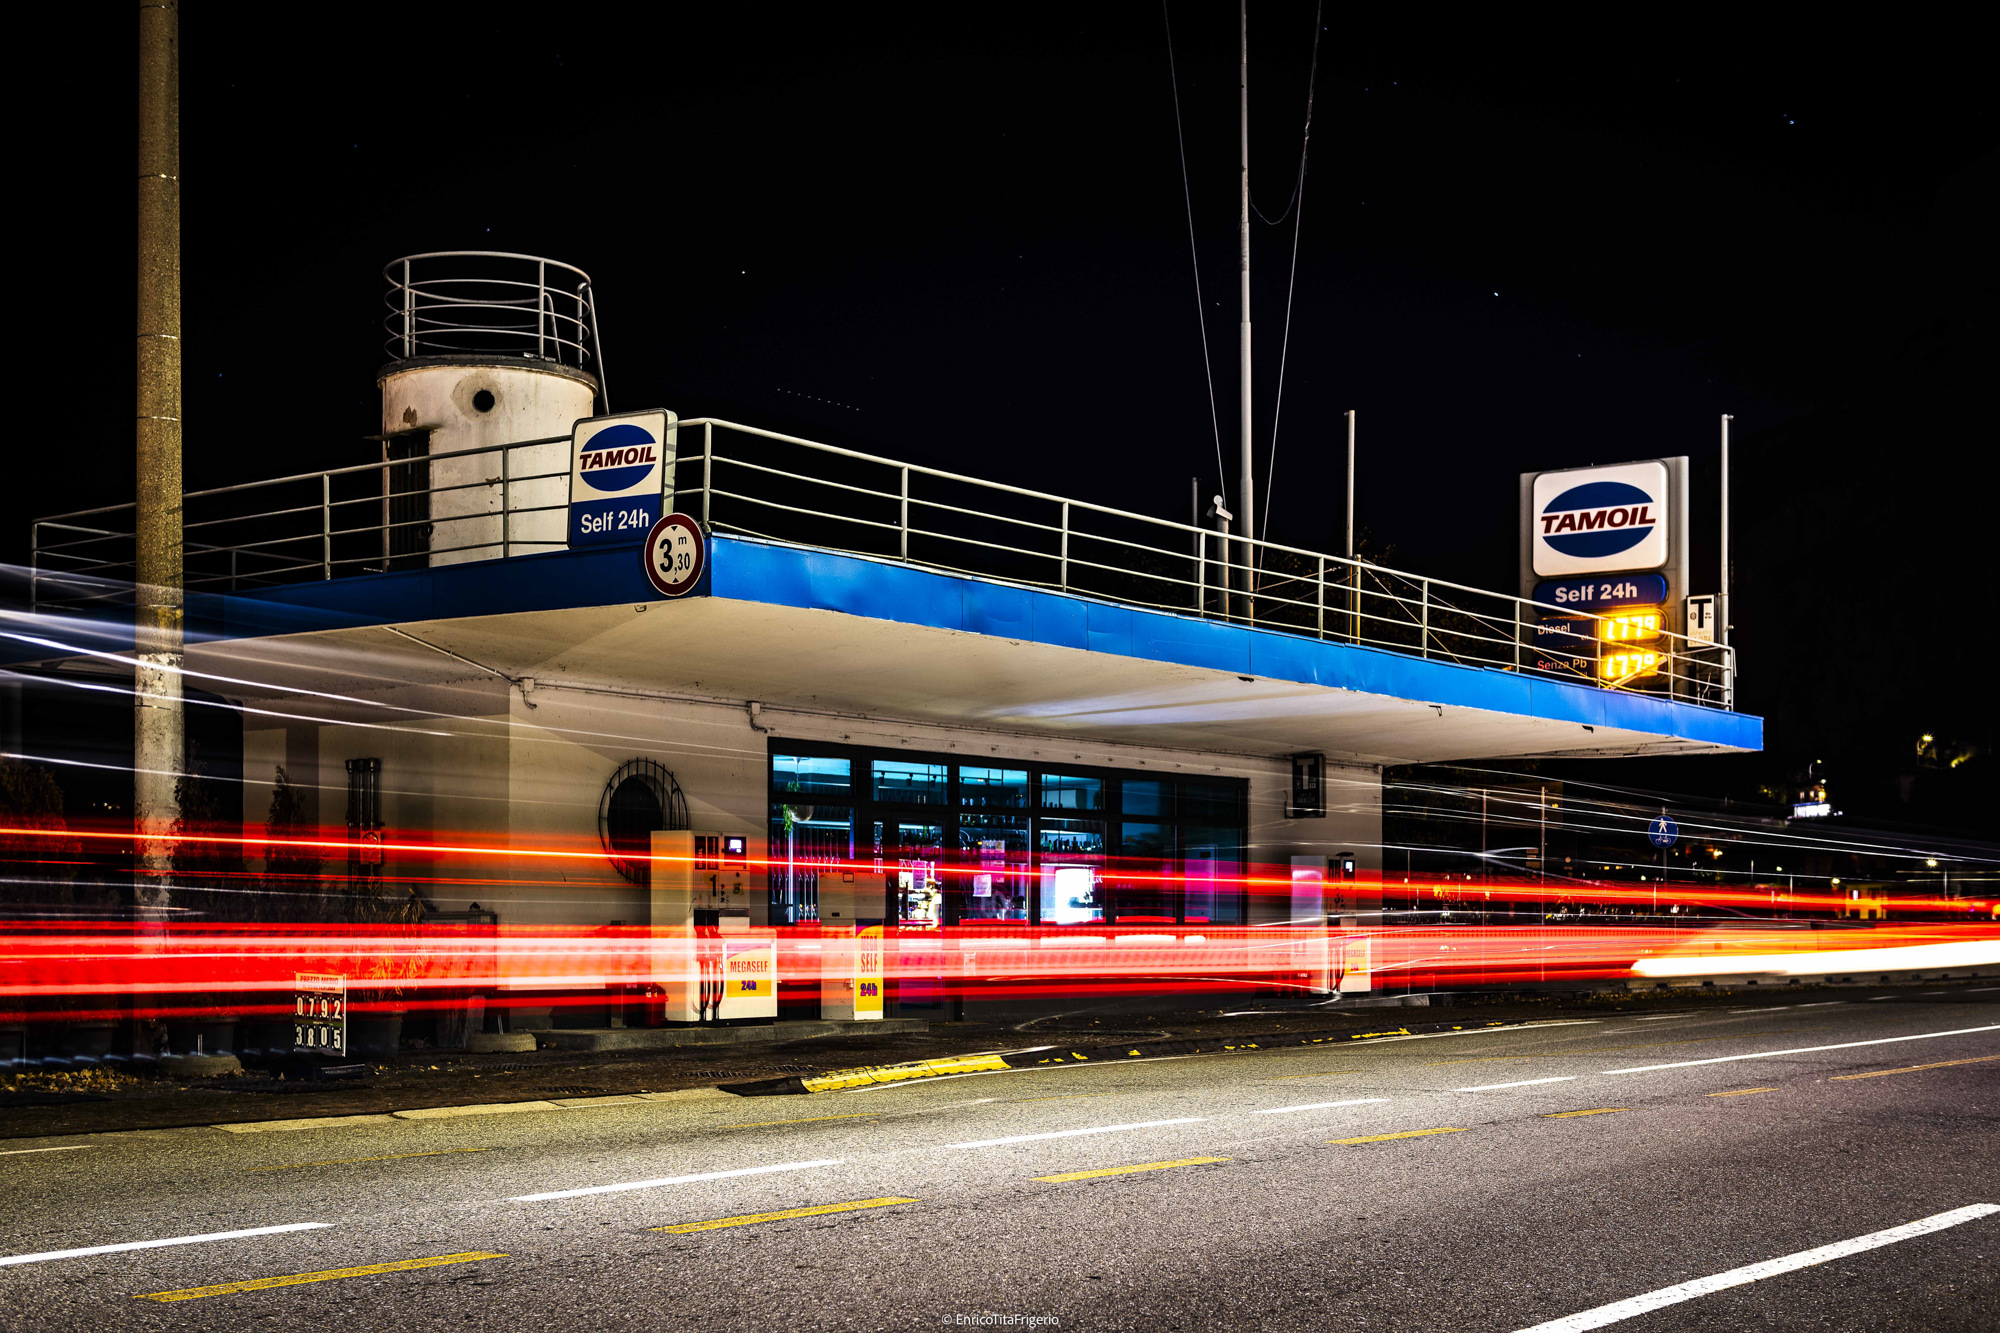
{"points": [[812, 630]]}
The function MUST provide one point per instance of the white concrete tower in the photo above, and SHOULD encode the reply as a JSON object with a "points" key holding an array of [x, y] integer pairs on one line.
{"points": [[485, 349]]}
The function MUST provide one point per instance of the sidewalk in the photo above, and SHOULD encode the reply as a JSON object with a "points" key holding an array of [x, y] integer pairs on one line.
{"points": [[102, 1101]]}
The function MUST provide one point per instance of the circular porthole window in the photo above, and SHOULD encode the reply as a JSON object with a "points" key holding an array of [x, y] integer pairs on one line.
{"points": [[642, 796], [483, 401]]}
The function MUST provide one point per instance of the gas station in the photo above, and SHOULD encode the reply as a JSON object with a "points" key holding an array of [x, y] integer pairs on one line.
{"points": [[799, 713]]}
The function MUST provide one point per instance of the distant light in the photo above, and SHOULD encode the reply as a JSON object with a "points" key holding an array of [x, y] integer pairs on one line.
{"points": [[1931, 861]]}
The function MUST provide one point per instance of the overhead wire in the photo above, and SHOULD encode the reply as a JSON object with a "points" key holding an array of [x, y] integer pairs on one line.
{"points": [[1291, 281], [1201, 314]]}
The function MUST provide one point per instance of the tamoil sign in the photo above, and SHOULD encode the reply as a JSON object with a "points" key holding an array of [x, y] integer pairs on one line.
{"points": [[1587, 520], [620, 467]]}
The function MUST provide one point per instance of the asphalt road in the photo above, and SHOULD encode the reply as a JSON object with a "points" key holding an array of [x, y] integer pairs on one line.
{"points": [[1541, 1172]]}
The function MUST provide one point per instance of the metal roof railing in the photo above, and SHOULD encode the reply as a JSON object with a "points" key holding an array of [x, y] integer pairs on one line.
{"points": [[373, 517], [492, 303]]}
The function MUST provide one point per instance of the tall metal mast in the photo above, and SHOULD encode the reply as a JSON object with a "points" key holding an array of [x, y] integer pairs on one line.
{"points": [[1247, 496]]}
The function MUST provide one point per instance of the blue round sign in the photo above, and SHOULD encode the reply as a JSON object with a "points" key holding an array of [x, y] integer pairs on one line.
{"points": [[1662, 832]]}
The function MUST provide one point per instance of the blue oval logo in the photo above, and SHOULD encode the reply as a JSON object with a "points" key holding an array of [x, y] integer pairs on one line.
{"points": [[619, 457], [1598, 519]]}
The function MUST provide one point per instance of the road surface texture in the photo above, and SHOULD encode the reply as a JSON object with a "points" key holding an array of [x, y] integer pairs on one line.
{"points": [[1572, 1174]]}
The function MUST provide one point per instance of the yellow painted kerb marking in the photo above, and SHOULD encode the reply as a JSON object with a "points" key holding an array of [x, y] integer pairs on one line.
{"points": [[1741, 1092], [1602, 1110], [1406, 1134], [861, 1078], [326, 1275], [1128, 1170], [1911, 1069], [783, 1214], [349, 1161]]}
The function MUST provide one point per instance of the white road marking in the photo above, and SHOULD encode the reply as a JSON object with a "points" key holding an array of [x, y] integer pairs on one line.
{"points": [[1803, 1050], [23, 1152], [1655, 1018], [1761, 1009], [673, 1180], [1821, 1004], [159, 1244], [1737, 1277], [1524, 1083], [1072, 1133], [1321, 1106]]}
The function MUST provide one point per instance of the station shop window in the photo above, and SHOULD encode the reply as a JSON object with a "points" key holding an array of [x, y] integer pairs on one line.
{"points": [[812, 775], [902, 783], [989, 843]]}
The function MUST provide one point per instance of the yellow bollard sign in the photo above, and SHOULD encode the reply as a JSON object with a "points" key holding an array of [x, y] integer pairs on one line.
{"points": [[868, 974]]}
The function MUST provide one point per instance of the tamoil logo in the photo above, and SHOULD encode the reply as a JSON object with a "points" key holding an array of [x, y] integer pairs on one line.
{"points": [[618, 458], [1598, 519]]}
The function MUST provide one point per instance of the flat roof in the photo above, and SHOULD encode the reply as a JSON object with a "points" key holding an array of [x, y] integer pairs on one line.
{"points": [[788, 625]]}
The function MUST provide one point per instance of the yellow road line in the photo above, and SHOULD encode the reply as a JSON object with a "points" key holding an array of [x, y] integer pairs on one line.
{"points": [[806, 1120], [349, 1161], [840, 1079], [327, 1275], [751, 1219], [1406, 1134], [1602, 1110], [1128, 1170], [1911, 1069], [1741, 1092]]}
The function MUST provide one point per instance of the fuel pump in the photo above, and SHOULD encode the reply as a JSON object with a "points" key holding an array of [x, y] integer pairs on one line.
{"points": [[710, 959]]}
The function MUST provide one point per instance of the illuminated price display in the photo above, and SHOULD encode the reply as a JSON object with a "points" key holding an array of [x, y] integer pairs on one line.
{"points": [[1625, 664], [1641, 624]]}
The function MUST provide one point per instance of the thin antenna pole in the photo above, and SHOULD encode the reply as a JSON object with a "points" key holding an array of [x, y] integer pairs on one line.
{"points": [[1722, 599], [1722, 602], [1350, 483], [1353, 574], [1246, 494]]}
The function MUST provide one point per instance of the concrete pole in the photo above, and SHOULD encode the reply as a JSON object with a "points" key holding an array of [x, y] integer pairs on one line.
{"points": [[1247, 496], [159, 735]]}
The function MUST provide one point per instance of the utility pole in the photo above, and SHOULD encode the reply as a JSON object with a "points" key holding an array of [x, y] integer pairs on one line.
{"points": [[1246, 496], [159, 729]]}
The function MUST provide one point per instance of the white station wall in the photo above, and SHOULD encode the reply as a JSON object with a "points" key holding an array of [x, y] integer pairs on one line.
{"points": [[526, 775], [525, 404]]}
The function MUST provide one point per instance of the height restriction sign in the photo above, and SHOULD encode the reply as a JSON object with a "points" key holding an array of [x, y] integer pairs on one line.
{"points": [[675, 555]]}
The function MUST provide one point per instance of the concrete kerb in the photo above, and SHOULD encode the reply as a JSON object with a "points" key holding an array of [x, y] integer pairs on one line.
{"points": [[478, 1108], [839, 1080]]}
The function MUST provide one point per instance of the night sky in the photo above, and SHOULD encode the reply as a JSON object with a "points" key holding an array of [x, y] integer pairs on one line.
{"points": [[960, 238]]}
